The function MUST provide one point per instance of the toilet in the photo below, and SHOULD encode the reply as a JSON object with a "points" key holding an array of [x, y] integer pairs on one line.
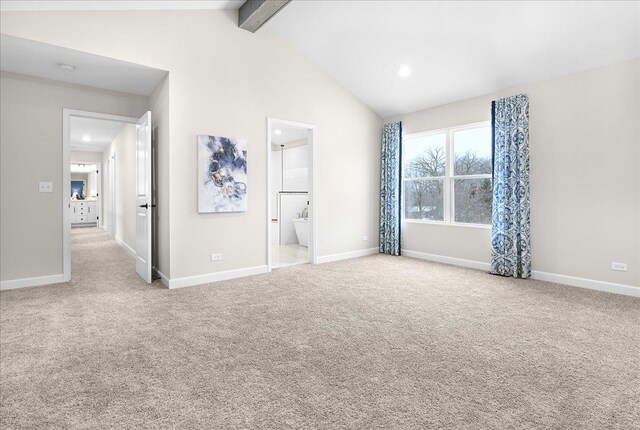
{"points": [[302, 230]]}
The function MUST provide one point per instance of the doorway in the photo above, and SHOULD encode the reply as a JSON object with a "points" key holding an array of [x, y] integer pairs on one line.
{"points": [[86, 192], [291, 205], [126, 212]]}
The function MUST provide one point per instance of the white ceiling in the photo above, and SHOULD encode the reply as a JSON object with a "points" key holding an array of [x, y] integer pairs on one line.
{"points": [[100, 133], [32, 58], [118, 5], [289, 134], [456, 50]]}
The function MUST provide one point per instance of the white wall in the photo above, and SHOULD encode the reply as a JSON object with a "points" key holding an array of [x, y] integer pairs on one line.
{"points": [[226, 81], [585, 181], [296, 168], [31, 151], [92, 187], [296, 172], [85, 156], [124, 148]]}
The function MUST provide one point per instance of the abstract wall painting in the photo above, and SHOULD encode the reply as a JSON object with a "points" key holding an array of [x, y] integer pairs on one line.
{"points": [[222, 174]]}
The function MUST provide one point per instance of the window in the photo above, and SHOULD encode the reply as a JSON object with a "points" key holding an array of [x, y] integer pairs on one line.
{"points": [[447, 175]]}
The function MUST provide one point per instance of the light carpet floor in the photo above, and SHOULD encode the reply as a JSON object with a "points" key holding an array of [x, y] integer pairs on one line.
{"points": [[370, 343]]}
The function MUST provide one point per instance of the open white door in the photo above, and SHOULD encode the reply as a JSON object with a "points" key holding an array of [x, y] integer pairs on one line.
{"points": [[143, 197]]}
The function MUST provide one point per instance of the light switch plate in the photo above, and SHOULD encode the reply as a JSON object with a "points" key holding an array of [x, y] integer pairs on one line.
{"points": [[45, 187], [216, 257]]}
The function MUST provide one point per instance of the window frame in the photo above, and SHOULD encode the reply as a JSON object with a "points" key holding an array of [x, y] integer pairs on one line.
{"points": [[448, 179]]}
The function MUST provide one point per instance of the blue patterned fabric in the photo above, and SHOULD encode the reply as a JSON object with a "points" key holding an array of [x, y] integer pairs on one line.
{"points": [[390, 188], [511, 220]]}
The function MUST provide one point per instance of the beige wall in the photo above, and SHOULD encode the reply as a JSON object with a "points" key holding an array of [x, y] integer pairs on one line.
{"points": [[585, 181], [227, 81], [124, 148], [31, 151]]}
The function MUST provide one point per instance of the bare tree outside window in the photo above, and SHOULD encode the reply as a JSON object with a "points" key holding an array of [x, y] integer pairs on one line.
{"points": [[472, 193], [425, 164], [425, 173]]}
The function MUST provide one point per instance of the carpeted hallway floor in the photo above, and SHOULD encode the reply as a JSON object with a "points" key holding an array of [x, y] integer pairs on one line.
{"points": [[370, 343]]}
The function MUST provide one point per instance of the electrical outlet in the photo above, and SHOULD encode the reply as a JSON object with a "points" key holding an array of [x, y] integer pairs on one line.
{"points": [[45, 187], [365, 237], [621, 267], [216, 257]]}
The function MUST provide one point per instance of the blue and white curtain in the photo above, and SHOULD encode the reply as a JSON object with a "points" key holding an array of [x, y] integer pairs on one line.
{"points": [[511, 231], [390, 189]]}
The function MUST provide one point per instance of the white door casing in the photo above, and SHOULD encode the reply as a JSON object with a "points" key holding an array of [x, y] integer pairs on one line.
{"points": [[312, 142], [112, 195], [143, 197], [65, 188]]}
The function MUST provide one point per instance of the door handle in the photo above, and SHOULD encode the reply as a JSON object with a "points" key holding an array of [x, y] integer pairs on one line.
{"points": [[147, 206]]}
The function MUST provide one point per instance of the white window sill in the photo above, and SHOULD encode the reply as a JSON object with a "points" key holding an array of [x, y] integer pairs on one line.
{"points": [[445, 224]]}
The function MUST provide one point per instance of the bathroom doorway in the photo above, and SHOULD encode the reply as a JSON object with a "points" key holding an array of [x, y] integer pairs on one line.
{"points": [[291, 204], [85, 203]]}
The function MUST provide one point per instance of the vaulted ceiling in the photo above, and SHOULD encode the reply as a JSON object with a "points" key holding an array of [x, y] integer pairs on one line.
{"points": [[455, 49], [449, 50]]}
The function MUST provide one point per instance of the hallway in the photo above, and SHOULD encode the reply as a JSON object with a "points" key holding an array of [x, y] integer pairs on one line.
{"points": [[99, 263]]}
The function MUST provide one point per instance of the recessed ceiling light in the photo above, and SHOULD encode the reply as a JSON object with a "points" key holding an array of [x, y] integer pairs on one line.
{"points": [[67, 67], [86, 139], [404, 71], [278, 132]]}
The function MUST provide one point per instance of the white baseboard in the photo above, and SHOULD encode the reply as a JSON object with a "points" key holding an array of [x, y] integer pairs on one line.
{"points": [[447, 260], [591, 284], [347, 255], [213, 277], [31, 282], [126, 247], [163, 278], [250, 271]]}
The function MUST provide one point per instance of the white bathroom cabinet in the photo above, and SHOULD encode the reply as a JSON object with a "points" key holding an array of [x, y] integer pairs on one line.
{"points": [[84, 212]]}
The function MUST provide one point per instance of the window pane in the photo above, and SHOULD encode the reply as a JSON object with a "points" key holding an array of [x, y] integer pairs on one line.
{"points": [[472, 151], [424, 156], [424, 199], [473, 200]]}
